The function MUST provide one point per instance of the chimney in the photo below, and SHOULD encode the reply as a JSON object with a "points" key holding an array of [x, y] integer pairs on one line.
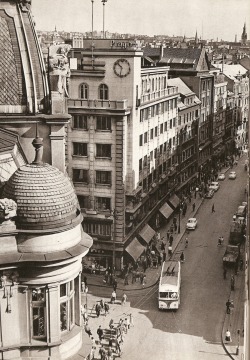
{"points": [[161, 51]]}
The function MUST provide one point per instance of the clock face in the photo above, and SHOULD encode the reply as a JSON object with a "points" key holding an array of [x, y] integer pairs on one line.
{"points": [[121, 67]]}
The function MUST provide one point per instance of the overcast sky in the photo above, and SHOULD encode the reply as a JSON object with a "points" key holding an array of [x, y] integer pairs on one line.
{"points": [[212, 18]]}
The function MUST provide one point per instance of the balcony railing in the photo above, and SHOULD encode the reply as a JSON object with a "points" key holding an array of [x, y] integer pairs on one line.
{"points": [[159, 94], [98, 104]]}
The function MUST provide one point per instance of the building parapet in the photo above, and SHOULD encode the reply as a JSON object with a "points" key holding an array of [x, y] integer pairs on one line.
{"points": [[98, 104]]}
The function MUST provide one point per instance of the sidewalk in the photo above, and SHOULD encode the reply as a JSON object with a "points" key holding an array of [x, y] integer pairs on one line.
{"points": [[152, 274]]}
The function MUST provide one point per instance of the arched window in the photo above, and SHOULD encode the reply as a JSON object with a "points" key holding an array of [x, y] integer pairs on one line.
{"points": [[84, 91], [103, 92]]}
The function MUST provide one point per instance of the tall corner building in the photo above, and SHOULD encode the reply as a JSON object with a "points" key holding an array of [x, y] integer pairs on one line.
{"points": [[121, 151], [42, 243]]}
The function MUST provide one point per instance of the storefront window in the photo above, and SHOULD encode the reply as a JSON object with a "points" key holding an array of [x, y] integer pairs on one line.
{"points": [[67, 314], [38, 304]]}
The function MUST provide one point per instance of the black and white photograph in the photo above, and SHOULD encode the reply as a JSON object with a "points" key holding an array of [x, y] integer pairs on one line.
{"points": [[124, 179]]}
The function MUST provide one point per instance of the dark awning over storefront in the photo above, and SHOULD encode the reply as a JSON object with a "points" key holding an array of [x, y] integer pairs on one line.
{"points": [[135, 249], [174, 201], [166, 210], [147, 233]]}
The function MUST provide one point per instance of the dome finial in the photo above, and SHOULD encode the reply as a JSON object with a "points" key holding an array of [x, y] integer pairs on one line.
{"points": [[38, 145]]}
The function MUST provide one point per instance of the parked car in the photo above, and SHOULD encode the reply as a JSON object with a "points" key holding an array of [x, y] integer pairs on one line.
{"points": [[214, 186], [191, 224], [241, 211], [209, 194], [232, 175], [221, 176]]}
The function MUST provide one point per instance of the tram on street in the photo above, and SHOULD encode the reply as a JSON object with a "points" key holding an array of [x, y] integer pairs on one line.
{"points": [[169, 285]]}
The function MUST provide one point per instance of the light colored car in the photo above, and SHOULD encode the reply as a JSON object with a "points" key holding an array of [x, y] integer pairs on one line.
{"points": [[221, 176], [214, 186], [232, 175], [191, 224]]}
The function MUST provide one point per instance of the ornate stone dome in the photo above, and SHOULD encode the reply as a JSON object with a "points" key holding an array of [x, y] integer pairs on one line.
{"points": [[45, 197]]}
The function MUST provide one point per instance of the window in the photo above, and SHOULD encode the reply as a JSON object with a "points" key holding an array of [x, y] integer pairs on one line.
{"points": [[166, 105], [145, 137], [161, 129], [67, 314], [165, 126], [80, 149], [174, 122], [156, 131], [38, 308], [84, 91], [103, 203], [140, 165], [103, 123], [152, 111], [171, 104], [140, 140], [151, 134], [171, 123], [80, 175], [103, 177], [103, 92], [103, 150], [83, 201], [97, 229], [105, 229], [80, 121]]}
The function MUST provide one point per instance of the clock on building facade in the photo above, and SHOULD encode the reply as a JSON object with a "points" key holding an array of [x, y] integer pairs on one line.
{"points": [[121, 68]]}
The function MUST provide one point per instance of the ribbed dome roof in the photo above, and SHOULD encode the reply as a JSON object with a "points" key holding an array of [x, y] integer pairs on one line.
{"points": [[44, 195]]}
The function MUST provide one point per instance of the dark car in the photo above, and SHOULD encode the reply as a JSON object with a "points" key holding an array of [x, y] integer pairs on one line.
{"points": [[209, 194]]}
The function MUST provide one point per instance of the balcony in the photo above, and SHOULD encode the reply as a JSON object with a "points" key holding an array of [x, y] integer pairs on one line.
{"points": [[98, 104], [159, 94]]}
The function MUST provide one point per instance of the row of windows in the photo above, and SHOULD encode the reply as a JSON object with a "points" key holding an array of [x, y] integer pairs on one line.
{"points": [[81, 122], [82, 176], [156, 84], [101, 203], [102, 150], [154, 153], [97, 229], [103, 92], [157, 109], [147, 136]]}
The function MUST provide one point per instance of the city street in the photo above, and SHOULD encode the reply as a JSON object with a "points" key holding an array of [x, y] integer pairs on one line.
{"points": [[195, 329]]}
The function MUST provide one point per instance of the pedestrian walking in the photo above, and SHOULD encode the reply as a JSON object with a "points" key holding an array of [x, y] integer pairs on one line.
{"points": [[160, 258], [127, 323], [228, 336], [213, 210], [102, 304], [109, 353], [168, 234], [113, 297], [106, 308], [164, 255], [182, 257], [84, 313], [228, 305], [103, 353], [124, 299], [100, 333], [115, 284], [175, 227], [193, 206], [170, 250], [232, 282], [98, 309], [87, 330], [162, 246], [111, 324], [171, 239], [126, 278]]}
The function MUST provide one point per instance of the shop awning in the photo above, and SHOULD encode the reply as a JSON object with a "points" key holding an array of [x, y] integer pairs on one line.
{"points": [[147, 233], [174, 201], [166, 210], [135, 249]]}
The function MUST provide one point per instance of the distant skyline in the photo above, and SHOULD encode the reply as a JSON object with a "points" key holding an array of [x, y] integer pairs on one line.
{"points": [[222, 19]]}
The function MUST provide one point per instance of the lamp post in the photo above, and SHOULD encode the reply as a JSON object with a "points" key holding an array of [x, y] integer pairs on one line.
{"points": [[104, 2]]}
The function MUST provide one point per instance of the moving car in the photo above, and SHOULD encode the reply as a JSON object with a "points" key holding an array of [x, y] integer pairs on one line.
{"points": [[209, 194], [191, 224], [232, 175], [241, 211], [214, 186], [221, 176]]}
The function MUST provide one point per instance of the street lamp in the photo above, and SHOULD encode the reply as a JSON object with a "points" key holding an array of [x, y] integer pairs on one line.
{"points": [[104, 2]]}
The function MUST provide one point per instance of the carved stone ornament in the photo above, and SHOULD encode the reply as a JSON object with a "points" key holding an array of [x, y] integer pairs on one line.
{"points": [[59, 65], [8, 209]]}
